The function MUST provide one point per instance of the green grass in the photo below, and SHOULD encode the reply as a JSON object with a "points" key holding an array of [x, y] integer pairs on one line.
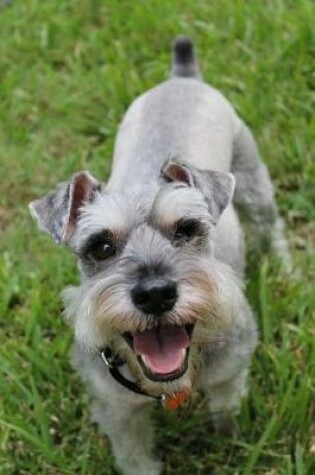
{"points": [[68, 71]]}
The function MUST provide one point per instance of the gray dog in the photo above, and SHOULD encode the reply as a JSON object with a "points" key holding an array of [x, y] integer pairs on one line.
{"points": [[160, 311]]}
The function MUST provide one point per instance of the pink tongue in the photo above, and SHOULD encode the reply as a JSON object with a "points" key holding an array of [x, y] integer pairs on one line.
{"points": [[162, 348]]}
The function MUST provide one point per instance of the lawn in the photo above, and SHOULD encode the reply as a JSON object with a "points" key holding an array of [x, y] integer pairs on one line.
{"points": [[68, 71]]}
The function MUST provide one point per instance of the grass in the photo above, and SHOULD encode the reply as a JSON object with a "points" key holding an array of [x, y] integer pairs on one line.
{"points": [[68, 71]]}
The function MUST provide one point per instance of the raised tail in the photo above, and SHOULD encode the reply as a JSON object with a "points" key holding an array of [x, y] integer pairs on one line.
{"points": [[184, 63]]}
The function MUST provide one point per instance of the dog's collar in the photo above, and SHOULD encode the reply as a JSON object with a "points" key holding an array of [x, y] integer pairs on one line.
{"points": [[113, 362]]}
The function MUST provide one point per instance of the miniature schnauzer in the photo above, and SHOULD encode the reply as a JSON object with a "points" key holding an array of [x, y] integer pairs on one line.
{"points": [[161, 311]]}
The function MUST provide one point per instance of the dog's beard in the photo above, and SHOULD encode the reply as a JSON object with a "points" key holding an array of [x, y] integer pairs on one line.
{"points": [[162, 353]]}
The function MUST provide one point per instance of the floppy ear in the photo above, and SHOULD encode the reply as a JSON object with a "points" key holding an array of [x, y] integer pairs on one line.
{"points": [[216, 187], [57, 213]]}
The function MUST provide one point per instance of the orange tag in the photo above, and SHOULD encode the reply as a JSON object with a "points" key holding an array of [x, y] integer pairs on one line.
{"points": [[177, 400]]}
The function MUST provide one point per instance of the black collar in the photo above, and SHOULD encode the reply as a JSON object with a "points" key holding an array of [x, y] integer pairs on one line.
{"points": [[113, 362]]}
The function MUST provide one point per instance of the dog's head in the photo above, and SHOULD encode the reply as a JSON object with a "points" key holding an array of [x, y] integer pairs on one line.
{"points": [[150, 288]]}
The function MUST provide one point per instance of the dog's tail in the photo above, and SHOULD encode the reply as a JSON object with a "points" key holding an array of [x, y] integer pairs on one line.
{"points": [[184, 62]]}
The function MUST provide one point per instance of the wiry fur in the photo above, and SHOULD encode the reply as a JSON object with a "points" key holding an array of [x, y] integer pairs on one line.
{"points": [[147, 195]]}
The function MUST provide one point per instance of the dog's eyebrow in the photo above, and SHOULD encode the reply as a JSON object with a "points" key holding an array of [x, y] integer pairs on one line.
{"points": [[174, 203]]}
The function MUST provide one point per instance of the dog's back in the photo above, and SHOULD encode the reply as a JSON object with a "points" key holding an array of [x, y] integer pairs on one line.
{"points": [[182, 117]]}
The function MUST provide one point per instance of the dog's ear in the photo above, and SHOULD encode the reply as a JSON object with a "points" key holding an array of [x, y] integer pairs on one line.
{"points": [[57, 213], [216, 187]]}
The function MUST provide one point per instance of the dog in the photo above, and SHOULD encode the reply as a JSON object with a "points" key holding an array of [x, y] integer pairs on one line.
{"points": [[161, 312]]}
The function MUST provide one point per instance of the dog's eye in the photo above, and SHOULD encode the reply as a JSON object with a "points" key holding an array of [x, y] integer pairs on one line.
{"points": [[102, 251], [186, 230], [100, 247]]}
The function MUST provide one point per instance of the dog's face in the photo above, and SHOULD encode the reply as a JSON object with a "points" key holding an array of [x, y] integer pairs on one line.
{"points": [[150, 288]]}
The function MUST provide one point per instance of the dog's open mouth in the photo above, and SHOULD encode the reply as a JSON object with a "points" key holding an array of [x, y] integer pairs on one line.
{"points": [[163, 351]]}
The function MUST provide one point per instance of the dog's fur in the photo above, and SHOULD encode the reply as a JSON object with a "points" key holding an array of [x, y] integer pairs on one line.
{"points": [[174, 153]]}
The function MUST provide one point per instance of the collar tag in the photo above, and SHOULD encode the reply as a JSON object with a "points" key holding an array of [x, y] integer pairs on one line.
{"points": [[176, 401]]}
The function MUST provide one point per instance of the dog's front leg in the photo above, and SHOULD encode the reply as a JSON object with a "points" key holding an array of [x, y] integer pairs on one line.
{"points": [[224, 403], [130, 431]]}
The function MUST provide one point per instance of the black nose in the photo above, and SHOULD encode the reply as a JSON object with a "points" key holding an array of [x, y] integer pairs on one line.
{"points": [[154, 295]]}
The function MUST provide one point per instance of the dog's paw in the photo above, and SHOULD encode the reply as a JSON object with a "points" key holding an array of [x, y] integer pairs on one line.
{"points": [[225, 425], [147, 467], [156, 468]]}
